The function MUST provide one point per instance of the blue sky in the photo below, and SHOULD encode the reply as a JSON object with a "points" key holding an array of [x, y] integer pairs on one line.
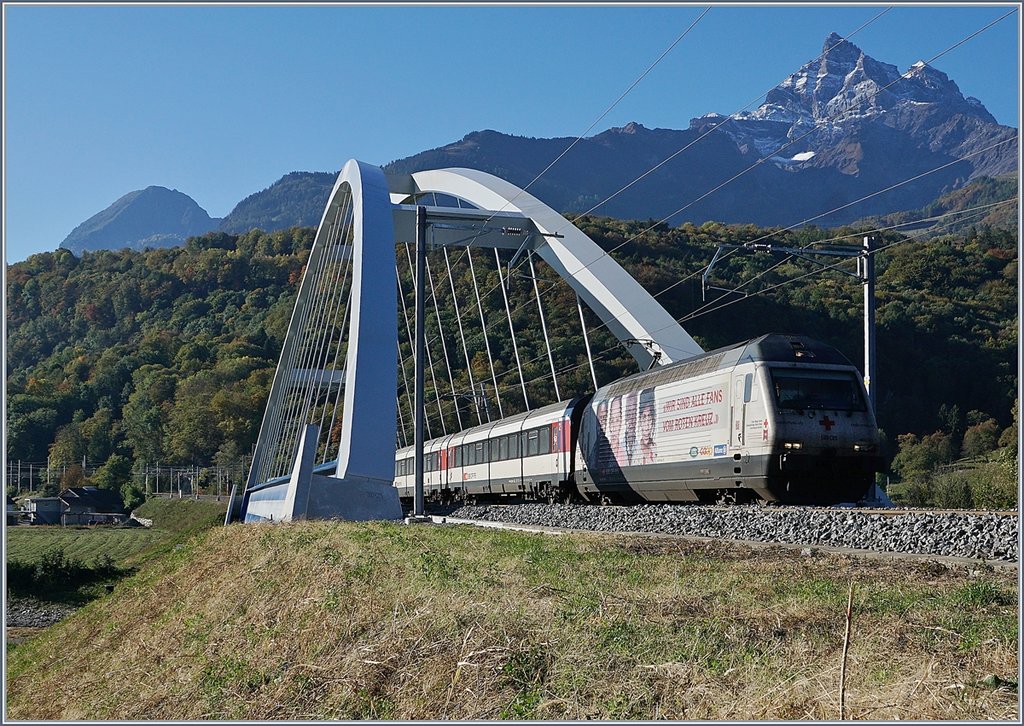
{"points": [[221, 101]]}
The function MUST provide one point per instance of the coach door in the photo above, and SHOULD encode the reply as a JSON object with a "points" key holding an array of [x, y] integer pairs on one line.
{"points": [[738, 412]]}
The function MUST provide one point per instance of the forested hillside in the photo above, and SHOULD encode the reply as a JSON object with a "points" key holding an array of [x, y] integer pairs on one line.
{"points": [[167, 355]]}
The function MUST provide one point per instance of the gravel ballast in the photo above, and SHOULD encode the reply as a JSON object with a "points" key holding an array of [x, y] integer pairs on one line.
{"points": [[974, 535], [32, 613]]}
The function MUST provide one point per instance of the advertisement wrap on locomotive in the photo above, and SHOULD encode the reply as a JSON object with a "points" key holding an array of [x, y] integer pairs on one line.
{"points": [[780, 418]]}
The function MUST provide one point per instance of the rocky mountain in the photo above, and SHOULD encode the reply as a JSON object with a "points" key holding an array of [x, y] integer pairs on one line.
{"points": [[150, 217], [839, 109], [843, 127], [295, 200]]}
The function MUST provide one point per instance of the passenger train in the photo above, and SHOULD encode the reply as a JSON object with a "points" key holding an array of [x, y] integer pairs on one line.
{"points": [[781, 418]]}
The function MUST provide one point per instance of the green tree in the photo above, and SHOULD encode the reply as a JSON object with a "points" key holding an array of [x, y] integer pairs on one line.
{"points": [[114, 474], [920, 456], [981, 438], [148, 410], [98, 431], [69, 446], [132, 496]]}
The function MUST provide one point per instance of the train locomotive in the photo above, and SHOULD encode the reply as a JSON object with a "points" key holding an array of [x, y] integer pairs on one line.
{"points": [[780, 418]]}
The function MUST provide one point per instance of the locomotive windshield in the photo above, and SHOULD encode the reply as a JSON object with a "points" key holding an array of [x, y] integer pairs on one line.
{"points": [[811, 389]]}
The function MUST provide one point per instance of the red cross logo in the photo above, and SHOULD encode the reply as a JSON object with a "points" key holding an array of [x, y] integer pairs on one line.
{"points": [[827, 423]]}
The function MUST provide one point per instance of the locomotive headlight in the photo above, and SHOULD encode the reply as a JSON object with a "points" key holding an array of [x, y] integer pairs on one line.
{"points": [[793, 445], [863, 446]]}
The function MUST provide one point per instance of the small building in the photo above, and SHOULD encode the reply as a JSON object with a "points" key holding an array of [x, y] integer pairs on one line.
{"points": [[91, 505], [43, 510], [12, 511]]}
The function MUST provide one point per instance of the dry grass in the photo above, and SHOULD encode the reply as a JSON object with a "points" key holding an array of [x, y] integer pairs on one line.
{"points": [[380, 621]]}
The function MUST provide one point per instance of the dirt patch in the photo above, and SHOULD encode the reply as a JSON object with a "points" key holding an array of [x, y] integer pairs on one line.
{"points": [[932, 570], [17, 636]]}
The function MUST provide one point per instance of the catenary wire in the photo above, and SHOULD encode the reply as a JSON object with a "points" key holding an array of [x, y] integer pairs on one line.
{"points": [[973, 211], [821, 56]]}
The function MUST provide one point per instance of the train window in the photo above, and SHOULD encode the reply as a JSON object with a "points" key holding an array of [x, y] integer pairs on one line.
{"points": [[748, 385], [457, 456], [478, 453], [532, 442], [513, 446], [803, 389], [503, 448], [544, 440]]}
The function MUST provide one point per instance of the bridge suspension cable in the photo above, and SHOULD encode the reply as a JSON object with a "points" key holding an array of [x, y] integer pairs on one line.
{"points": [[412, 344], [511, 327], [444, 345], [462, 333], [596, 121], [483, 326], [430, 355]]}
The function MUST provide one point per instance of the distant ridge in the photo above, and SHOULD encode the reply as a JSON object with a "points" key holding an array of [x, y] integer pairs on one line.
{"points": [[839, 129], [295, 200], [150, 217]]}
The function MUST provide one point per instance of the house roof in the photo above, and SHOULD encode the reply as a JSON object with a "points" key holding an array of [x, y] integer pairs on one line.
{"points": [[104, 500]]}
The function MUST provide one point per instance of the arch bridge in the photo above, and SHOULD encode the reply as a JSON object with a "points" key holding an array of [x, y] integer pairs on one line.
{"points": [[331, 427]]}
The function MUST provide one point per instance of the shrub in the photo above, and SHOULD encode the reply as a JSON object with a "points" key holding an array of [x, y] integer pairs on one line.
{"points": [[56, 573], [952, 491], [994, 486]]}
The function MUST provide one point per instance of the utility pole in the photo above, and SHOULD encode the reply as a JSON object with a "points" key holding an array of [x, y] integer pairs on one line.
{"points": [[865, 274], [421, 266], [866, 268]]}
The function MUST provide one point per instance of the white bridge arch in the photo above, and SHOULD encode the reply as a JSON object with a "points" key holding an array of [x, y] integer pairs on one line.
{"points": [[375, 212], [619, 301]]}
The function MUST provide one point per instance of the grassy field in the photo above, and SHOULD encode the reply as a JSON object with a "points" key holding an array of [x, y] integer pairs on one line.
{"points": [[76, 564], [318, 620], [125, 545], [88, 544]]}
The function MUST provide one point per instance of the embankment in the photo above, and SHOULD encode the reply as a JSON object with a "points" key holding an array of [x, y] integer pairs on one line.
{"points": [[320, 620]]}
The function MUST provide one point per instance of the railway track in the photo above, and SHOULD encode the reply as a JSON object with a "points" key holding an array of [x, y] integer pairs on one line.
{"points": [[986, 536]]}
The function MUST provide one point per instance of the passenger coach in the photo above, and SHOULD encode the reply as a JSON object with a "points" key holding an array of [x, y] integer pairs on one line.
{"points": [[527, 455]]}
